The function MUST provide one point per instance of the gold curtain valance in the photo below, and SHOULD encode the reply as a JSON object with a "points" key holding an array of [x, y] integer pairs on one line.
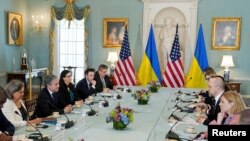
{"points": [[69, 12]]}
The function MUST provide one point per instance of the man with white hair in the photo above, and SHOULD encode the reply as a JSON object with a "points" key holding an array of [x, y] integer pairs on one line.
{"points": [[228, 38]]}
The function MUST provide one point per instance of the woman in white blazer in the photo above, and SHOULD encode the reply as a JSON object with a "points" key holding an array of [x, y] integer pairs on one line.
{"points": [[14, 108]]}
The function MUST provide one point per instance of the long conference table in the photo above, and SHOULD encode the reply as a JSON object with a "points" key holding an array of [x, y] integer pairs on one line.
{"points": [[151, 122]]}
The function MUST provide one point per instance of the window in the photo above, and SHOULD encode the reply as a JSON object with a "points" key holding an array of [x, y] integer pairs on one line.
{"points": [[70, 50]]}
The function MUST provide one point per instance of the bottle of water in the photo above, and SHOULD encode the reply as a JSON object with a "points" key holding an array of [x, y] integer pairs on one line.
{"points": [[83, 116]]}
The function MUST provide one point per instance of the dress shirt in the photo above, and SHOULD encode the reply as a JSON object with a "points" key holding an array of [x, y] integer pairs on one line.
{"points": [[217, 97]]}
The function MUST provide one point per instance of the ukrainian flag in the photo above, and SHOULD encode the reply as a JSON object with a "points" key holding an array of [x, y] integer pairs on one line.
{"points": [[150, 67], [195, 77]]}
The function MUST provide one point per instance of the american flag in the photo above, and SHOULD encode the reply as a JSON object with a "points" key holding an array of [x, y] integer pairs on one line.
{"points": [[124, 71], [173, 75]]}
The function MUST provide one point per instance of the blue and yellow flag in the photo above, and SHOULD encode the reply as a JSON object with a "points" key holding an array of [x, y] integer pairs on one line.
{"points": [[150, 67], [195, 77]]}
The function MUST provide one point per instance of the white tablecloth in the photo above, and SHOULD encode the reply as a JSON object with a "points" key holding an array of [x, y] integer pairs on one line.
{"points": [[150, 121]]}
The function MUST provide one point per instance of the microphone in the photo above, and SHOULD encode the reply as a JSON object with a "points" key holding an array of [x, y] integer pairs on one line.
{"points": [[91, 112], [177, 98], [191, 94], [177, 108], [35, 136], [69, 123], [118, 95], [186, 108], [181, 94], [184, 101], [106, 103], [128, 90], [198, 136], [190, 78], [174, 116], [182, 109], [173, 135]]}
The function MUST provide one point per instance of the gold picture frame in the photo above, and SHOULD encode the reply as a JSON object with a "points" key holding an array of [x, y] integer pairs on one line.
{"points": [[226, 33], [15, 29], [113, 31]]}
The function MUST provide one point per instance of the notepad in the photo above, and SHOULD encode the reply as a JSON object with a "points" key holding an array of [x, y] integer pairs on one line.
{"points": [[52, 121], [106, 94]]}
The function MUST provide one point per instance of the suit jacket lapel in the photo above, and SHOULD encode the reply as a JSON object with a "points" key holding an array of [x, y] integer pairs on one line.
{"points": [[50, 97], [85, 83]]}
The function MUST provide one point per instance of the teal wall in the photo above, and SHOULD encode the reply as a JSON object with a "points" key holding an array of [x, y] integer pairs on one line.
{"points": [[8, 52], [228, 8], [132, 9], [38, 43]]}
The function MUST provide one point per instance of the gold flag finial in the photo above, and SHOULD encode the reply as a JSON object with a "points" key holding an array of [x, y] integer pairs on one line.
{"points": [[69, 1]]}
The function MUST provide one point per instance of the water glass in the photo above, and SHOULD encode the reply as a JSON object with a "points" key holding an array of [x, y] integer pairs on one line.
{"points": [[83, 116], [84, 113], [61, 123], [58, 126]]}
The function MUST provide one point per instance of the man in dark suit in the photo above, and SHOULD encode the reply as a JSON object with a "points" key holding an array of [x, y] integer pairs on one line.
{"points": [[6, 128], [48, 101], [103, 83], [86, 86], [216, 88]]}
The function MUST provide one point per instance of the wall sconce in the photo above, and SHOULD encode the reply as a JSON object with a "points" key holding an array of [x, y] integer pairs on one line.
{"points": [[112, 58], [37, 23], [227, 61]]}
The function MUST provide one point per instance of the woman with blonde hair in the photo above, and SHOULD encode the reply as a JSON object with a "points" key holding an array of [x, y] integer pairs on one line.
{"points": [[230, 105], [14, 108]]}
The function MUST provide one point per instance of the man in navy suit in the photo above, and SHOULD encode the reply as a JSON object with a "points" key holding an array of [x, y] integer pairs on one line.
{"points": [[86, 86], [103, 83], [48, 101], [216, 88], [6, 128]]}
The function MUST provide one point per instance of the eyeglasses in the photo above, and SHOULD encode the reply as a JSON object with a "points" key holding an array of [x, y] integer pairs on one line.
{"points": [[207, 78]]}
